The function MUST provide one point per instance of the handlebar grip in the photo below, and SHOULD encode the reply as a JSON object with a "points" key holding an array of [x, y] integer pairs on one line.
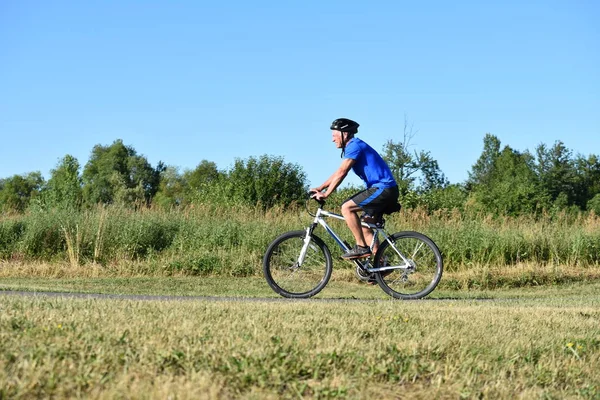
{"points": [[310, 196]]}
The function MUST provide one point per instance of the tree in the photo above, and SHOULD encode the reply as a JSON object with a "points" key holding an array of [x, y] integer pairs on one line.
{"points": [[116, 173], [64, 188], [17, 191], [557, 173], [266, 180], [205, 173], [171, 189], [416, 171], [594, 204], [177, 189], [432, 177], [588, 179], [482, 170], [507, 183]]}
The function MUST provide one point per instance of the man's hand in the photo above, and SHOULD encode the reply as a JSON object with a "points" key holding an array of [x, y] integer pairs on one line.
{"points": [[317, 195]]}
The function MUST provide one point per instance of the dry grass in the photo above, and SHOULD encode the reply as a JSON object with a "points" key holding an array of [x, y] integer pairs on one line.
{"points": [[60, 269], [479, 277], [536, 348]]}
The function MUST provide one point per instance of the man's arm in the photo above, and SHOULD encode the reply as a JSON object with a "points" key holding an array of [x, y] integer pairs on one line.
{"points": [[336, 179], [325, 184]]}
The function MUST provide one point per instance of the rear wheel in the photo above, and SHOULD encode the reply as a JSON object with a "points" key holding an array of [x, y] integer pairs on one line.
{"points": [[419, 276], [286, 277]]}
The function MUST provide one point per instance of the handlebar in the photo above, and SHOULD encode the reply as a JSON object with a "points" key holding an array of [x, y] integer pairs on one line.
{"points": [[309, 197], [311, 193]]}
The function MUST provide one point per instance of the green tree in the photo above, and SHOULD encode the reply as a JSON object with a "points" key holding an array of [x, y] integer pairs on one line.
{"points": [[64, 188], [588, 179], [116, 173], [594, 204], [266, 180], [171, 189], [17, 192], [504, 183], [557, 174], [414, 171], [199, 184], [402, 165], [484, 168], [204, 174], [432, 177]]}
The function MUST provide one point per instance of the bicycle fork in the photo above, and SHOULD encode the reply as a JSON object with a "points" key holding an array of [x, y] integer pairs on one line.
{"points": [[307, 238], [304, 248]]}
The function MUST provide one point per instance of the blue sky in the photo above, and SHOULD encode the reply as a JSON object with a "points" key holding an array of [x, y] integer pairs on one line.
{"points": [[184, 81]]}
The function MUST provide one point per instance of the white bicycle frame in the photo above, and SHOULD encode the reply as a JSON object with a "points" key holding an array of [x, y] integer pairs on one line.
{"points": [[319, 219]]}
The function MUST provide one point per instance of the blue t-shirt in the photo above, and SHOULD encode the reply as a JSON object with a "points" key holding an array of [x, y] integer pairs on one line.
{"points": [[369, 165]]}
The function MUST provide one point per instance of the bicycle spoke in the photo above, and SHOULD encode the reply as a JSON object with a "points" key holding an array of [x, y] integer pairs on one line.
{"points": [[286, 276], [417, 248], [423, 270]]}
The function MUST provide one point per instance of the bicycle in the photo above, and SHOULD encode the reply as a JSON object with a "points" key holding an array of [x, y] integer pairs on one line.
{"points": [[298, 264]]}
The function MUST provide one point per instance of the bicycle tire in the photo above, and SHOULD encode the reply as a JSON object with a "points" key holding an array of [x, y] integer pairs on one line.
{"points": [[425, 273], [289, 280]]}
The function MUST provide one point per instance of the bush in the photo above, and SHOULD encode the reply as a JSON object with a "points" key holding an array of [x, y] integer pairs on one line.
{"points": [[11, 231], [594, 204], [42, 237]]}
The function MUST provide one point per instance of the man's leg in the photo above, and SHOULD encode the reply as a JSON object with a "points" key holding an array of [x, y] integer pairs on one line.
{"points": [[349, 211], [368, 233], [373, 201]]}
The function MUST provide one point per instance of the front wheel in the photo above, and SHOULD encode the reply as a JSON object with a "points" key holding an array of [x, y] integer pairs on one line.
{"points": [[286, 276], [420, 267]]}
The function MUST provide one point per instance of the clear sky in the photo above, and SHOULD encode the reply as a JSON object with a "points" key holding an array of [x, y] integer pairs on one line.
{"points": [[183, 81]]}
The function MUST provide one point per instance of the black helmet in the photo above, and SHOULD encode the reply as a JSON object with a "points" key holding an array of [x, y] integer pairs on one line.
{"points": [[345, 125]]}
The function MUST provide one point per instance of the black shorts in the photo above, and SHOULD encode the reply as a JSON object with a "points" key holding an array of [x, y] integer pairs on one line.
{"points": [[375, 200]]}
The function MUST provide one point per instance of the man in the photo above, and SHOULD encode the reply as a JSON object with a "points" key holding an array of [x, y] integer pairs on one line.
{"points": [[381, 193]]}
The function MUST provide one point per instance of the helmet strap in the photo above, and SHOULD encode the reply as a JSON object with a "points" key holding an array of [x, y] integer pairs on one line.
{"points": [[343, 145]]}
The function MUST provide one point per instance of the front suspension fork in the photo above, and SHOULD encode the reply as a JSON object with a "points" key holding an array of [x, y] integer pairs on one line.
{"points": [[307, 238]]}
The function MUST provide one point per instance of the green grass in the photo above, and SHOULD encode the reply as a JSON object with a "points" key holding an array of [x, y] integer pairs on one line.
{"points": [[255, 287], [540, 343], [171, 286], [218, 240], [516, 314], [206, 286]]}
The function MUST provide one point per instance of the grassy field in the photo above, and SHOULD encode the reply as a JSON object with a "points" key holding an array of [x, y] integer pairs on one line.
{"points": [[231, 241], [516, 315], [535, 342]]}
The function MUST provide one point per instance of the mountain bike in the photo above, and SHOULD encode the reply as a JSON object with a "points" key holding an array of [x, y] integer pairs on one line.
{"points": [[298, 264]]}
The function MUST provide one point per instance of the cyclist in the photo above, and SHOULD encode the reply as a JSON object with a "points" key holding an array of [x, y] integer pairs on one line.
{"points": [[381, 193]]}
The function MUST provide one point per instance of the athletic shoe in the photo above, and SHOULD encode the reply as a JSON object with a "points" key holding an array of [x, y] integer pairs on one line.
{"points": [[357, 252]]}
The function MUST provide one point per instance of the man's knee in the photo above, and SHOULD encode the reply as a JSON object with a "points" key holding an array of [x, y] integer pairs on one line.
{"points": [[350, 206]]}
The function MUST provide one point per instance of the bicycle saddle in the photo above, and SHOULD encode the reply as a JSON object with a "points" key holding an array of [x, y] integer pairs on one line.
{"points": [[392, 208]]}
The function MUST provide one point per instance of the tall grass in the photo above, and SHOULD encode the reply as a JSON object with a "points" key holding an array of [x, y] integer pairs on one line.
{"points": [[212, 239]]}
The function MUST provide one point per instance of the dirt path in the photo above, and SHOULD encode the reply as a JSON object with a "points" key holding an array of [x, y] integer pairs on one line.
{"points": [[212, 298]]}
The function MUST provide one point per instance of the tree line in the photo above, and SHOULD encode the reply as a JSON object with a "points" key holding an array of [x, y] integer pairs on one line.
{"points": [[503, 181]]}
